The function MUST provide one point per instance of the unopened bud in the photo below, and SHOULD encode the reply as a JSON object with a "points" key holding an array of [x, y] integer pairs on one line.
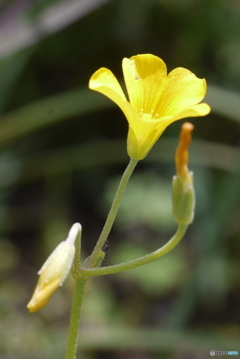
{"points": [[183, 193], [54, 271]]}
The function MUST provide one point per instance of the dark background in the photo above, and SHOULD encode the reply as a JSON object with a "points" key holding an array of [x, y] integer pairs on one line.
{"points": [[63, 150]]}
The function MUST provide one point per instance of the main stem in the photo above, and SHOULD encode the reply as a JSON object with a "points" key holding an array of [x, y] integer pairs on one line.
{"points": [[75, 318], [94, 259], [113, 212]]}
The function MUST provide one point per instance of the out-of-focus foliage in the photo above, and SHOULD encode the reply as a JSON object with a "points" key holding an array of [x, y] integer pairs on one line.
{"points": [[147, 202], [62, 148]]}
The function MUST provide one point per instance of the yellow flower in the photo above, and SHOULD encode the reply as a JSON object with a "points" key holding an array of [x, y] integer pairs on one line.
{"points": [[54, 271], [156, 99]]}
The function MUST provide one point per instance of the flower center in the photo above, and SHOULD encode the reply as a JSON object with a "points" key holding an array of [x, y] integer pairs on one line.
{"points": [[148, 116]]}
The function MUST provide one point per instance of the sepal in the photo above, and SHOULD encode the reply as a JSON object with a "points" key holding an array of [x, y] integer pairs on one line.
{"points": [[183, 198]]}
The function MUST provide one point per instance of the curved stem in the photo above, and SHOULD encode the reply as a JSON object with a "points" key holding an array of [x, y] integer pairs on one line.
{"points": [[75, 318], [90, 272], [113, 212]]}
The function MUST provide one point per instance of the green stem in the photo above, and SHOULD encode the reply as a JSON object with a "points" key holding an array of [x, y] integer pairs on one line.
{"points": [[113, 212], [75, 318], [90, 272], [93, 261]]}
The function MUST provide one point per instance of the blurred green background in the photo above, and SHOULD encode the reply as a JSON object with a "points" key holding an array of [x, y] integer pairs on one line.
{"points": [[63, 149]]}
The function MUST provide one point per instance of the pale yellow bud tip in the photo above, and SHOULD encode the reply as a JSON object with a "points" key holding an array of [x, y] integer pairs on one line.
{"points": [[42, 295], [54, 271]]}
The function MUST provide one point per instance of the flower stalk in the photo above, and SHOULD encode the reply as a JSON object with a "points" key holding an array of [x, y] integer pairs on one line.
{"points": [[90, 272], [113, 212]]}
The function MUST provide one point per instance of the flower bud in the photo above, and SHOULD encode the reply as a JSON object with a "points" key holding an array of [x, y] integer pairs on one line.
{"points": [[54, 271], [183, 194]]}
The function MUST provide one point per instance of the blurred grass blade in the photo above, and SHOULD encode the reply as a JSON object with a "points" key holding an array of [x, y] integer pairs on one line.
{"points": [[224, 102], [52, 19], [10, 70], [111, 152], [49, 111]]}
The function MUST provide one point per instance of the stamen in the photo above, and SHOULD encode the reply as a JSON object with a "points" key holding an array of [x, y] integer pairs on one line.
{"points": [[147, 115]]}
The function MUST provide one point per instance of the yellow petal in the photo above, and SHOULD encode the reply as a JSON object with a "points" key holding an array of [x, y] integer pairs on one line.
{"points": [[144, 134], [201, 109], [182, 90], [106, 83], [144, 76], [139, 141], [42, 294]]}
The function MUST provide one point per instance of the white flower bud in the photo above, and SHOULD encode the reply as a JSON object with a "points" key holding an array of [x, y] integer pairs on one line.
{"points": [[54, 271]]}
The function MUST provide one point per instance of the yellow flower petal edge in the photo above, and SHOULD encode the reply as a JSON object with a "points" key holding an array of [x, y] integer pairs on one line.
{"points": [[155, 98]]}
